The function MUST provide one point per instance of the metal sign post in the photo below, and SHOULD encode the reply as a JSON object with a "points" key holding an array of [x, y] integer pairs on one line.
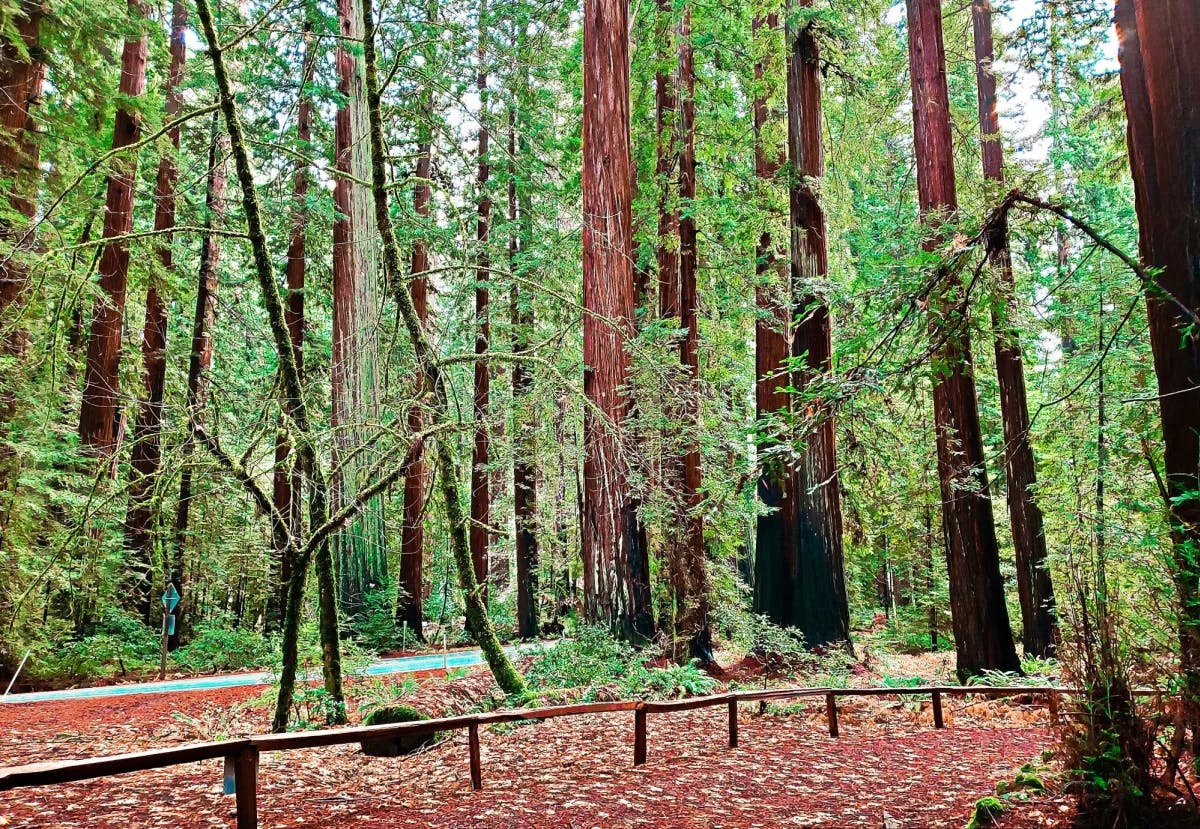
{"points": [[170, 598]]}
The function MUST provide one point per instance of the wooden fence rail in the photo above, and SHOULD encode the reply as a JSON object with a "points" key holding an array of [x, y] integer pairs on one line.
{"points": [[241, 755]]}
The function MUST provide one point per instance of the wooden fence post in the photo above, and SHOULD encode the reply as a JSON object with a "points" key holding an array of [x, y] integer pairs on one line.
{"points": [[476, 765], [831, 713], [639, 736], [733, 734], [937, 710], [245, 776], [1053, 700]]}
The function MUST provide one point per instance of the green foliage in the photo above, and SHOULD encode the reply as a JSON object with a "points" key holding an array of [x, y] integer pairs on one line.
{"points": [[374, 628], [313, 707], [121, 644], [215, 646]]}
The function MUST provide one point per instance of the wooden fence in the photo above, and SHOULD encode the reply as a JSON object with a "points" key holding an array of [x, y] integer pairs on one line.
{"points": [[241, 755]]}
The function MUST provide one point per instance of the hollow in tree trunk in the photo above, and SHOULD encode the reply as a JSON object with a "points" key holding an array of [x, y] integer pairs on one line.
{"points": [[818, 589]]}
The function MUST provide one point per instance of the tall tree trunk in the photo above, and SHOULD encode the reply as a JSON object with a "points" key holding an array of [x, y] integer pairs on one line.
{"points": [[507, 677], [98, 413], [821, 610], [480, 490], [525, 505], [775, 561], [147, 427], [199, 362], [982, 635], [293, 392], [1034, 586], [692, 608], [1160, 64], [22, 74], [21, 77], [360, 549], [412, 536], [616, 571], [286, 480]]}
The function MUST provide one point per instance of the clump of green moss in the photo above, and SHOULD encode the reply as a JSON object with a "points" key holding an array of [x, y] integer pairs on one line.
{"points": [[395, 746]]}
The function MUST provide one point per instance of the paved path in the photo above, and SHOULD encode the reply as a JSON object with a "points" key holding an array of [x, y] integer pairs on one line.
{"points": [[401, 665]]}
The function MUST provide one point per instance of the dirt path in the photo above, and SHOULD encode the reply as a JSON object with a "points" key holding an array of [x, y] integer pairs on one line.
{"points": [[572, 772]]}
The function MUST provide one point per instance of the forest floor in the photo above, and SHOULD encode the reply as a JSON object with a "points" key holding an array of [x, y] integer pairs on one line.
{"points": [[570, 772]]}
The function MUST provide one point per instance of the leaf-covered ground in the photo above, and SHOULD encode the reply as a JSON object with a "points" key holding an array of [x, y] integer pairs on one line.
{"points": [[571, 772]]}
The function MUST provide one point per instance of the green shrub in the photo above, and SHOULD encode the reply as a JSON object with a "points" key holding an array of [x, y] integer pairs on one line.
{"points": [[216, 647], [374, 627], [593, 658], [670, 682]]}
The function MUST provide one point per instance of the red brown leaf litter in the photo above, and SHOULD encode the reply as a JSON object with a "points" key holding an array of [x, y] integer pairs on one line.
{"points": [[571, 772]]}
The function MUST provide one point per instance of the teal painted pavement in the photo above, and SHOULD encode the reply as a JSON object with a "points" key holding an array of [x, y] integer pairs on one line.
{"points": [[401, 665]]}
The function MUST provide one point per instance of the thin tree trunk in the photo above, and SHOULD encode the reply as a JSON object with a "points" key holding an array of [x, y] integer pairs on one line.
{"points": [[693, 623], [98, 413], [481, 448], [615, 561], [359, 549], [821, 609], [286, 489], [293, 392], [1160, 64], [147, 427], [478, 623], [525, 505], [982, 635], [199, 362], [1034, 586], [409, 610]]}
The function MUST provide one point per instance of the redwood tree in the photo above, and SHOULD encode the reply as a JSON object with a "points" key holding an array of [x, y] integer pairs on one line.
{"points": [[360, 549], [982, 636], [818, 589], [1160, 65], [525, 507], [147, 428], [98, 412], [692, 603], [775, 557], [200, 358], [287, 480], [412, 536], [1034, 586], [480, 451], [615, 561], [21, 76]]}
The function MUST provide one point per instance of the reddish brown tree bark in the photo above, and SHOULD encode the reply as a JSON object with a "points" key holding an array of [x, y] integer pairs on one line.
{"points": [[199, 362], [21, 78], [615, 560], [98, 413], [147, 428], [412, 536], [1160, 65], [1034, 586], [982, 636], [360, 549], [692, 605], [820, 608], [481, 448], [775, 544], [525, 505], [287, 481]]}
